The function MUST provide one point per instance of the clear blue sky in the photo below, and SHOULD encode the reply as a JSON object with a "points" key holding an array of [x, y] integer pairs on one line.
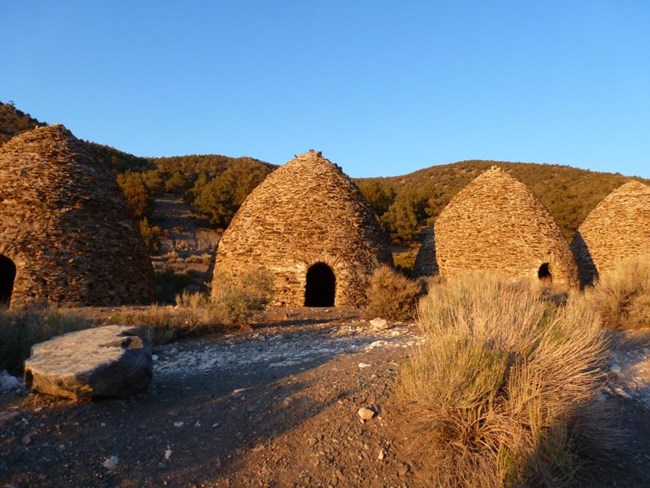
{"points": [[383, 88]]}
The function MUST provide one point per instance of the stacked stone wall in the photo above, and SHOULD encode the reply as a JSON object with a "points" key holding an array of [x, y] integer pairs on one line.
{"points": [[66, 225], [496, 223], [426, 261], [616, 229], [307, 211]]}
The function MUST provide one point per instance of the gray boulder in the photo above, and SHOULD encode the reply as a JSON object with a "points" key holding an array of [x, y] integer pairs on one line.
{"points": [[110, 361]]}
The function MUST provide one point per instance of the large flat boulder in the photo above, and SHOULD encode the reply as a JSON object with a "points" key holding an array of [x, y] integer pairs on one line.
{"points": [[110, 361]]}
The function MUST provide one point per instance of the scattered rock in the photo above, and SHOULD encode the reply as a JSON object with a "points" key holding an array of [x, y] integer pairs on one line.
{"points": [[8, 382], [382, 454], [168, 453], [7, 417], [364, 365], [403, 469], [111, 463], [379, 324], [179, 424], [26, 440], [366, 413], [621, 392], [109, 361]]}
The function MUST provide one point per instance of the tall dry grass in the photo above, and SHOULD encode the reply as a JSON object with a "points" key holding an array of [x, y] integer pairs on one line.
{"points": [[20, 329], [622, 295], [495, 391], [235, 303]]}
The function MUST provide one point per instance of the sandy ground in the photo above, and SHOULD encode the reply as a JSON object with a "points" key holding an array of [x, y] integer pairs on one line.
{"points": [[274, 407]]}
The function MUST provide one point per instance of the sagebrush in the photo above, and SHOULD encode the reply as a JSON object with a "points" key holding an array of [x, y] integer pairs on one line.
{"points": [[622, 295], [496, 390], [235, 303], [392, 295]]}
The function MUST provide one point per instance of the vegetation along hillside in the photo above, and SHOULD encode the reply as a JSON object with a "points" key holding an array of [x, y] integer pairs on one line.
{"points": [[405, 203], [215, 185]]}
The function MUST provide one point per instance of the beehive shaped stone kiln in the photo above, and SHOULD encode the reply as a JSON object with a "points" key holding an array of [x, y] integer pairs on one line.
{"points": [[497, 224], [426, 262], [616, 229], [310, 227], [67, 234]]}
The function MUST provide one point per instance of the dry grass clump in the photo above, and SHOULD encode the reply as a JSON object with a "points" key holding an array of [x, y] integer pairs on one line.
{"points": [[392, 295], [622, 295], [22, 328], [495, 390], [237, 301]]}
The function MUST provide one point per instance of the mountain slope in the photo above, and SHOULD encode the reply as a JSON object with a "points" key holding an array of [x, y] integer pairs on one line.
{"points": [[403, 203], [568, 193]]}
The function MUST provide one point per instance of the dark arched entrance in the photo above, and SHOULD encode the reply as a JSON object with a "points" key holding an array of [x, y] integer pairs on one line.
{"points": [[544, 272], [7, 275], [321, 286]]}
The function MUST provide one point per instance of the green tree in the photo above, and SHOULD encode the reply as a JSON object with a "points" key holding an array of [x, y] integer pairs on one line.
{"points": [[154, 181], [379, 195], [220, 198], [177, 183], [405, 217], [136, 192], [150, 235]]}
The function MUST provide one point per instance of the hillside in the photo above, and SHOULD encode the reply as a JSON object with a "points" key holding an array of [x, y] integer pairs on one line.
{"points": [[14, 122], [216, 185], [406, 202]]}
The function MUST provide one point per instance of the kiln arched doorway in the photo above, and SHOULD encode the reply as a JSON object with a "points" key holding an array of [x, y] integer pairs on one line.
{"points": [[544, 272], [321, 286], [7, 276]]}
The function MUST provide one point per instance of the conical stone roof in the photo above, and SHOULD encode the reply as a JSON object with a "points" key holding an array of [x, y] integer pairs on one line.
{"points": [[305, 212], [617, 228], [496, 223], [66, 227], [426, 262]]}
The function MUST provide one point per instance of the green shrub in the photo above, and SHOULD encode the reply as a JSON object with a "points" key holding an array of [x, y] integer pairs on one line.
{"points": [[622, 295], [495, 392], [238, 298], [21, 329], [392, 295], [169, 283]]}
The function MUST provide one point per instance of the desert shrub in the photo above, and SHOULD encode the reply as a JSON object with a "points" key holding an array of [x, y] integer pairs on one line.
{"points": [[22, 328], [496, 389], [392, 295], [236, 303], [237, 298], [169, 283], [622, 295], [404, 261]]}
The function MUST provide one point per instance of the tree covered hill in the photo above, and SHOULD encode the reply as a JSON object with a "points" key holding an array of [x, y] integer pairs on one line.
{"points": [[14, 122], [216, 185], [404, 203]]}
